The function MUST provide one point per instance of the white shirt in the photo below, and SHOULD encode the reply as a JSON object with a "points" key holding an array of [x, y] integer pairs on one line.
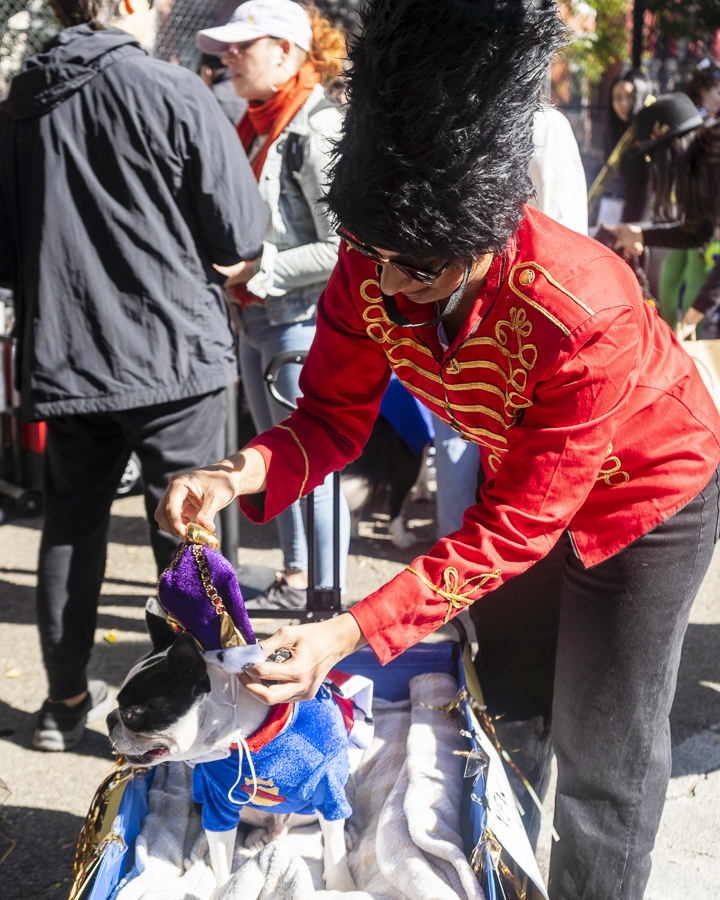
{"points": [[557, 171]]}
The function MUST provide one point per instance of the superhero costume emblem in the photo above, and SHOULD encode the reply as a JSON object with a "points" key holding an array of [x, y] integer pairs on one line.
{"points": [[266, 794]]}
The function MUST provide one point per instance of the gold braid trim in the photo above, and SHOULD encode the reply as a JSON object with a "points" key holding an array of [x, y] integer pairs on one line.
{"points": [[305, 457], [451, 589], [207, 584]]}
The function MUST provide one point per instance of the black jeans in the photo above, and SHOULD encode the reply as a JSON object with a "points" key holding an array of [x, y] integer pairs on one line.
{"points": [[595, 651], [84, 459]]}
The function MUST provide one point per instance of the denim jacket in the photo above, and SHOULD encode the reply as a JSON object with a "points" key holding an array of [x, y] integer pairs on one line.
{"points": [[300, 246]]}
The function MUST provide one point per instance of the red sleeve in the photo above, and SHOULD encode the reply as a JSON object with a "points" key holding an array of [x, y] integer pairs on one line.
{"points": [[342, 383], [554, 456]]}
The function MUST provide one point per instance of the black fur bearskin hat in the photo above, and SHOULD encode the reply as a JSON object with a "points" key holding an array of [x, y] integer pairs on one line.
{"points": [[437, 140]]}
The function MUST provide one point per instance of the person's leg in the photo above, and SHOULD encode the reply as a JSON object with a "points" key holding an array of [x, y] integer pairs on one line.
{"points": [[260, 342], [456, 468], [671, 281], [622, 625], [84, 459], [516, 627], [694, 278], [170, 438]]}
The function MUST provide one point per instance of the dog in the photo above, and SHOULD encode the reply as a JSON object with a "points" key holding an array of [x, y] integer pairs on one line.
{"points": [[384, 475], [185, 704]]}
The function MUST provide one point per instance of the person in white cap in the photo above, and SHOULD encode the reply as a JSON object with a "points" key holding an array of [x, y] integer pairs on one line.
{"points": [[278, 56]]}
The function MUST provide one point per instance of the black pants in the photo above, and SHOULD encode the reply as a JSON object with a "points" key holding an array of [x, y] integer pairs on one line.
{"points": [[596, 652], [84, 459]]}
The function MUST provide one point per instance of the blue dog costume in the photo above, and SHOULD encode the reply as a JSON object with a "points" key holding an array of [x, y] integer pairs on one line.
{"points": [[297, 762], [302, 767]]}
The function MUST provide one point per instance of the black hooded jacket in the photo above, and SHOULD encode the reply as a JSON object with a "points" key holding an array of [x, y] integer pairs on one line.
{"points": [[121, 183]]}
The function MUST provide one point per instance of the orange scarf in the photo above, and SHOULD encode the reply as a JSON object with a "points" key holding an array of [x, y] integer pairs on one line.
{"points": [[274, 114]]}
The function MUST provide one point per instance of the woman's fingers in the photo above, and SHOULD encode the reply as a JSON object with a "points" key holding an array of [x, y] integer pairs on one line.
{"points": [[193, 497], [314, 649]]}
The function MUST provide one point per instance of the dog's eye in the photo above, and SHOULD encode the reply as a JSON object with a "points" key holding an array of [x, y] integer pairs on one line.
{"points": [[130, 714]]}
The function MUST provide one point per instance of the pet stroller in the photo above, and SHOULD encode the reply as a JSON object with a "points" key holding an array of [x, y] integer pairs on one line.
{"points": [[493, 840]]}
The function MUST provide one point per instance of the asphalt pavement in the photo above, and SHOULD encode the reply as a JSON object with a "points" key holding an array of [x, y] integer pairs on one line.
{"points": [[48, 794]]}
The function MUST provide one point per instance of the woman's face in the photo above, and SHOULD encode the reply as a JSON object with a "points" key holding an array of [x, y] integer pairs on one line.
{"points": [[257, 67], [710, 98], [623, 97], [395, 281]]}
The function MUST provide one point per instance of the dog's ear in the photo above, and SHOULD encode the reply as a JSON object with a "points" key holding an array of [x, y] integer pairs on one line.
{"points": [[161, 634], [185, 663]]}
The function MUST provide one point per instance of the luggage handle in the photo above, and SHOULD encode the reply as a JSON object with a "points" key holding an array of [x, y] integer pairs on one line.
{"points": [[278, 362], [321, 602]]}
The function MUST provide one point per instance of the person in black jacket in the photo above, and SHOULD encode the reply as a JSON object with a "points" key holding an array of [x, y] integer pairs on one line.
{"points": [[122, 184]]}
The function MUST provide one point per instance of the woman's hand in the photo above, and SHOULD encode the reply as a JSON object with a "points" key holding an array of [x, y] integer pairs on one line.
{"points": [[315, 649], [240, 273], [689, 322], [628, 239], [198, 496]]}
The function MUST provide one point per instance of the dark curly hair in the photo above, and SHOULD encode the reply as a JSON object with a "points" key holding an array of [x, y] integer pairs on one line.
{"points": [[438, 136]]}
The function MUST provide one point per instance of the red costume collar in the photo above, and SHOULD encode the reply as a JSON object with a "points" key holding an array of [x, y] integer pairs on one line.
{"points": [[278, 719]]}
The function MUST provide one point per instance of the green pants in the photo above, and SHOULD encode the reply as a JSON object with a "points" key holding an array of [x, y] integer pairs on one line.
{"points": [[682, 277]]}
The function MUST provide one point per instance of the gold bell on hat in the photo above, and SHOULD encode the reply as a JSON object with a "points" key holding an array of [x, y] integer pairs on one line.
{"points": [[196, 534]]}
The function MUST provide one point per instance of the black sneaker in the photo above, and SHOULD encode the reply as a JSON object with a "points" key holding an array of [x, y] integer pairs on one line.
{"points": [[278, 596], [60, 727]]}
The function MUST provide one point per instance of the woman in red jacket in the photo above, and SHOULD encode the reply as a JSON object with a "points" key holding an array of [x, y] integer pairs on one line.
{"points": [[580, 557]]}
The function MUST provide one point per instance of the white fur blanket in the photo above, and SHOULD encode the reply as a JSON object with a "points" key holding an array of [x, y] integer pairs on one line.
{"points": [[403, 837]]}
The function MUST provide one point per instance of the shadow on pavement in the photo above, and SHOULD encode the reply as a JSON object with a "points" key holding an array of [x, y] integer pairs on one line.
{"points": [[37, 847]]}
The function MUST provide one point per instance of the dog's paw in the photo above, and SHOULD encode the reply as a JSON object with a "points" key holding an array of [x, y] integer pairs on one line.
{"points": [[256, 839]]}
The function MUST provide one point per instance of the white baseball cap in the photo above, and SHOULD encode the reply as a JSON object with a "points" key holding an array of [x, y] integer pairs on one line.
{"points": [[259, 18]]}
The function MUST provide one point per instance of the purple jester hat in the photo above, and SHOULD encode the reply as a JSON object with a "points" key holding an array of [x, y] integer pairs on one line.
{"points": [[200, 593]]}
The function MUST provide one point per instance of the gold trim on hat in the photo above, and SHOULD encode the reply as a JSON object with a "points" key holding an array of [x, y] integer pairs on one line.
{"points": [[196, 534]]}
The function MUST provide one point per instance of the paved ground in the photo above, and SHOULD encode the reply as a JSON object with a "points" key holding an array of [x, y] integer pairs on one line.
{"points": [[49, 793]]}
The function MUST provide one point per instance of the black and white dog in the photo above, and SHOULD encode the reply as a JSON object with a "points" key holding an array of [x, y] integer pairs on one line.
{"points": [[183, 703]]}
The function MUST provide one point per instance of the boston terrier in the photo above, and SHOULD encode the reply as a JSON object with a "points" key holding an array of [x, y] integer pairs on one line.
{"points": [[267, 765]]}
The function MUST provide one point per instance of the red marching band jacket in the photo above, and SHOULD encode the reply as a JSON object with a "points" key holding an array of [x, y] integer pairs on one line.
{"points": [[587, 413]]}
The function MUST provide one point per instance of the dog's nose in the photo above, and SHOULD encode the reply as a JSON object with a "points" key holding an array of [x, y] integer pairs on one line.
{"points": [[112, 719]]}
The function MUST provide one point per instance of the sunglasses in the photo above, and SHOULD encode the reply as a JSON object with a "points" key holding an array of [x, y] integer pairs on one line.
{"points": [[234, 50], [421, 275]]}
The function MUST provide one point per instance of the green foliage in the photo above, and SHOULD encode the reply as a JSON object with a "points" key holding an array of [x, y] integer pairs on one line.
{"points": [[593, 52], [695, 20]]}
